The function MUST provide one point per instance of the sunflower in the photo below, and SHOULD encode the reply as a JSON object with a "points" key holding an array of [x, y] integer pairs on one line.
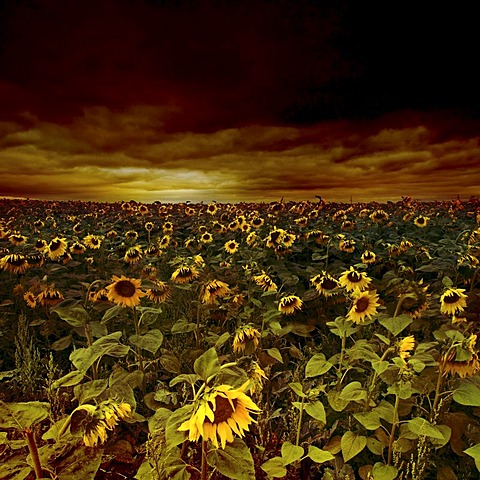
{"points": [[212, 209], [301, 222], [17, 239], [364, 305], [56, 248], [214, 289], [93, 241], [167, 228], [40, 245], [325, 284], [352, 279], [453, 301], [143, 209], [252, 239], [379, 216], [152, 251], [206, 237], [347, 225], [30, 299], [184, 274], [149, 271], [421, 221], [125, 291], [368, 257], [219, 413], [112, 234], [231, 246], [346, 245], [265, 282], [35, 259], [254, 372], [133, 254], [14, 263], [288, 304], [164, 242], [78, 248], [49, 296], [246, 339], [100, 296], [131, 235], [160, 293], [405, 346], [462, 360], [257, 222]]}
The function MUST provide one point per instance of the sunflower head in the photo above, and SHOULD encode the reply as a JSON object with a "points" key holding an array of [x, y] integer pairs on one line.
{"points": [[289, 304], [453, 301], [246, 339], [354, 280], [364, 305], [184, 274], [125, 291]]}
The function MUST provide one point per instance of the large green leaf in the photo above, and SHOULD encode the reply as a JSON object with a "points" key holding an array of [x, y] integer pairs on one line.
{"points": [[381, 471], [317, 365], [150, 341], [207, 364], [420, 426], [291, 453], [21, 415], [234, 461], [318, 455], [76, 315], [274, 467], [352, 444], [468, 392], [474, 452], [316, 410], [395, 325]]}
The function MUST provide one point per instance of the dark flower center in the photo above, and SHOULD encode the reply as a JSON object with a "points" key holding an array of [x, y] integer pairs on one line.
{"points": [[354, 277], [328, 284], [223, 409], [125, 288], [451, 297], [362, 304], [55, 245]]}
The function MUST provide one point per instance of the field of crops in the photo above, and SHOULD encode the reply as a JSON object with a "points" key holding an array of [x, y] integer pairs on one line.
{"points": [[306, 340]]}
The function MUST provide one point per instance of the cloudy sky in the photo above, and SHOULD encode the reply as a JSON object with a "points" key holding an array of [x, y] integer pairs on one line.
{"points": [[252, 100]]}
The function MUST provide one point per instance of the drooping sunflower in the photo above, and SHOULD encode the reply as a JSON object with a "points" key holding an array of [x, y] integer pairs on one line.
{"points": [[14, 263], [133, 254], [368, 257], [17, 239], [160, 293], [164, 242], [231, 246], [353, 279], [288, 304], [325, 284], [254, 372], [453, 301], [257, 222], [364, 305], [112, 234], [78, 248], [125, 291], [99, 296], [56, 248], [265, 282], [131, 235], [212, 290], [462, 360], [405, 347], [219, 413], [246, 339], [49, 296], [252, 239], [152, 251], [40, 245], [184, 274], [346, 245], [167, 228]]}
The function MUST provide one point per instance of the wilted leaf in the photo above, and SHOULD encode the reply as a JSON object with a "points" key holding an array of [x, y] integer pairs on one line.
{"points": [[21, 415]]}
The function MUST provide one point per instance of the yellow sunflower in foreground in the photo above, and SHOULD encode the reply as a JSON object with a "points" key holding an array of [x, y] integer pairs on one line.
{"points": [[246, 339], [405, 346], [364, 305], [287, 305], [14, 263], [125, 291], [462, 360], [221, 412], [352, 280], [184, 274], [212, 290], [453, 301]]}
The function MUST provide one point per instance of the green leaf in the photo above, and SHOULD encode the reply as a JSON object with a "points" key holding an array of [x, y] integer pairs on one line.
{"points": [[62, 343], [172, 435], [342, 327], [352, 444], [21, 415], [189, 378], [380, 366], [468, 392], [274, 468], [182, 326], [370, 420], [150, 341], [318, 455], [446, 431], [420, 426], [274, 352], [207, 364], [317, 411], [291, 453], [76, 315], [69, 380], [170, 362], [222, 339], [335, 400], [90, 390], [298, 389], [83, 358], [395, 325], [317, 365], [111, 313], [474, 452], [381, 471], [83, 462], [353, 392], [234, 461]]}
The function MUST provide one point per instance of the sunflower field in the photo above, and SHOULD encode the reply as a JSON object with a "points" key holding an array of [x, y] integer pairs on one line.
{"points": [[285, 340]]}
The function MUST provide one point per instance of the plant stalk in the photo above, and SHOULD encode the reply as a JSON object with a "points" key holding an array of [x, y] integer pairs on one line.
{"points": [[32, 448]]}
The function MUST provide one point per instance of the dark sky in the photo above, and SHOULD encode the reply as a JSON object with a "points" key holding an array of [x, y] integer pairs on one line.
{"points": [[247, 100]]}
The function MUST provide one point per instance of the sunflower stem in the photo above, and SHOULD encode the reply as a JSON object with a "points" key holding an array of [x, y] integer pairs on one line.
{"points": [[204, 468], [138, 349], [392, 431], [340, 362], [32, 448], [374, 378], [299, 425]]}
